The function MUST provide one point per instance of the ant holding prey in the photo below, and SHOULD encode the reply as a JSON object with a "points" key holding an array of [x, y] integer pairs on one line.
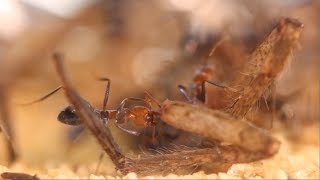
{"points": [[130, 119]]}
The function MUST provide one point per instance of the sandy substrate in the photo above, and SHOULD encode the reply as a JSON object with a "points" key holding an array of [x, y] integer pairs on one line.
{"points": [[294, 161]]}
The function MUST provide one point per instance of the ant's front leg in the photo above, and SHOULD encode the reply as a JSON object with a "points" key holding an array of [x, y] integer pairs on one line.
{"points": [[185, 94], [203, 94], [121, 119]]}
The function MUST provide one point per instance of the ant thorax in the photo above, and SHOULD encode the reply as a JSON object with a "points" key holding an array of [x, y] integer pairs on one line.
{"points": [[203, 74]]}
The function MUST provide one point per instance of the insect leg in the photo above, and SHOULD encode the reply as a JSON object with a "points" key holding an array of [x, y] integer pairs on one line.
{"points": [[184, 93]]}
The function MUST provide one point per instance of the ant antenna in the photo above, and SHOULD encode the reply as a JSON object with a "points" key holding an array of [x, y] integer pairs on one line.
{"points": [[215, 46], [44, 97], [106, 94]]}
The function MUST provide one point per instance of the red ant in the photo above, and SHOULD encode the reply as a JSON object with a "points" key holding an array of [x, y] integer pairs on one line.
{"points": [[132, 119], [203, 76]]}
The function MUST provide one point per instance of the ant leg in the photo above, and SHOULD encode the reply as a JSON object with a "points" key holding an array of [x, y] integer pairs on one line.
{"points": [[44, 97], [154, 134], [202, 97], [184, 92], [136, 133], [106, 94], [99, 162], [216, 84]]}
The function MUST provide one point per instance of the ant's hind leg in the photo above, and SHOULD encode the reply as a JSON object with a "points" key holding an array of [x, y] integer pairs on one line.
{"points": [[136, 133], [184, 93]]}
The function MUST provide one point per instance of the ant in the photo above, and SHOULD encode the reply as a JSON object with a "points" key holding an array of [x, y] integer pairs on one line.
{"points": [[138, 117], [132, 120], [203, 76], [179, 115]]}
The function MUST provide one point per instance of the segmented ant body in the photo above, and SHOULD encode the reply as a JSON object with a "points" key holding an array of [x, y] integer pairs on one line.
{"points": [[129, 119], [132, 120], [205, 75]]}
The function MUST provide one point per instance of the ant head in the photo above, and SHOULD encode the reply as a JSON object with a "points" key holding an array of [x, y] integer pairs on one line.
{"points": [[69, 116], [206, 73]]}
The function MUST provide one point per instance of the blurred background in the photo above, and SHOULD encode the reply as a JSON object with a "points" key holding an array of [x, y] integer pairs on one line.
{"points": [[140, 45]]}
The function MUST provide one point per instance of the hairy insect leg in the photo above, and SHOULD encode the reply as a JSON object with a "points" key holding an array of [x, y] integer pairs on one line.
{"points": [[265, 64], [244, 134]]}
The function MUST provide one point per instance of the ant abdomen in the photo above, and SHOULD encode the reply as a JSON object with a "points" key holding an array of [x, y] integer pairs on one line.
{"points": [[135, 119]]}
